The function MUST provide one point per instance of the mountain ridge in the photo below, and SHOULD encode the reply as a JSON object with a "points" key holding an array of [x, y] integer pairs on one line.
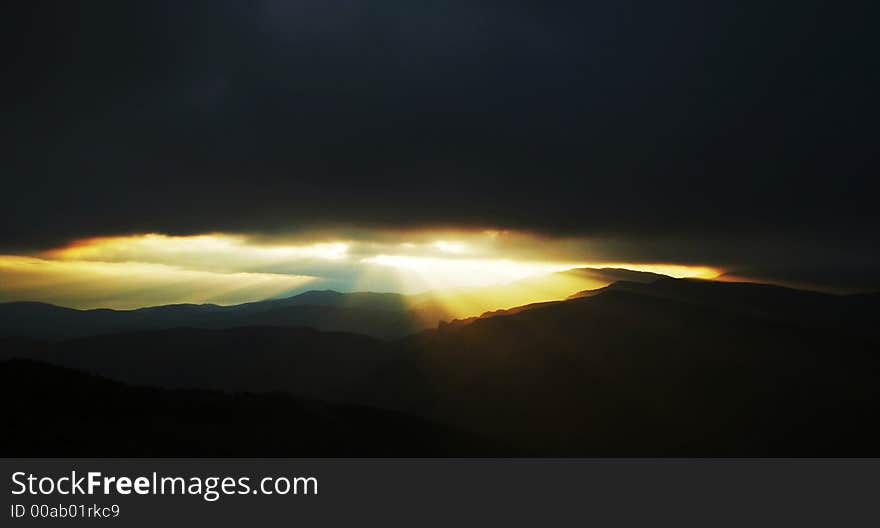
{"points": [[378, 314], [618, 373]]}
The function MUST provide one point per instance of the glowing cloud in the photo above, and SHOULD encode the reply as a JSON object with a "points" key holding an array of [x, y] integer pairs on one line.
{"points": [[428, 273], [215, 251], [450, 247], [466, 271]]}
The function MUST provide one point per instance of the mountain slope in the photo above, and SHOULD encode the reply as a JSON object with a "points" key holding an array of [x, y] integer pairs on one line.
{"points": [[625, 374], [60, 412], [298, 361], [469, 303], [381, 315], [851, 314], [378, 315], [672, 368]]}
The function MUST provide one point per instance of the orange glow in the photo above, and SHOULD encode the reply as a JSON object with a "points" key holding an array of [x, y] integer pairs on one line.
{"points": [[679, 271], [467, 273], [212, 250]]}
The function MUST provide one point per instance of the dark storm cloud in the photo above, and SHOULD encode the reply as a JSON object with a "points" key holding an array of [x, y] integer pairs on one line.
{"points": [[707, 124]]}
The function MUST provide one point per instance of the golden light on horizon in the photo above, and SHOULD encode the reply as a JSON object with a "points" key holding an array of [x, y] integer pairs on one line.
{"points": [[427, 273], [129, 285], [469, 287], [153, 247], [450, 247], [678, 271], [468, 272]]}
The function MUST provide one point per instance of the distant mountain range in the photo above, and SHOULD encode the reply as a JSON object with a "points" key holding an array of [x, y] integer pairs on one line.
{"points": [[382, 315], [376, 314], [670, 367]]}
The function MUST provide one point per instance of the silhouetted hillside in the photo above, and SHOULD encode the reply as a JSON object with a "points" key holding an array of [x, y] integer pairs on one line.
{"points": [[299, 361], [472, 302], [60, 412], [611, 275], [378, 315], [850, 314], [331, 298], [621, 373], [672, 367], [381, 315]]}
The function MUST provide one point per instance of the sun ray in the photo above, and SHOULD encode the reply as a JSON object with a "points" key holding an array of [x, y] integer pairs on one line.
{"points": [[456, 274]]}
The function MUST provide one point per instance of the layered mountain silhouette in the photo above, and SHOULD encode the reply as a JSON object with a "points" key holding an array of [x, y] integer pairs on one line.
{"points": [[300, 361], [381, 315], [375, 314], [662, 367], [628, 374], [61, 412], [848, 314]]}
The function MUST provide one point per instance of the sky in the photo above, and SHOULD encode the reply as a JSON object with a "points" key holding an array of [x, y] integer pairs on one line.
{"points": [[738, 135], [127, 272]]}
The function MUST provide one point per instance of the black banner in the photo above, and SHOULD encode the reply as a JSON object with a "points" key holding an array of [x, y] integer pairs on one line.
{"points": [[441, 492]]}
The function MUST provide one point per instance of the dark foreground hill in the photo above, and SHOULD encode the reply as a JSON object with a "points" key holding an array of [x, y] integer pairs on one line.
{"points": [[642, 373], [299, 361], [673, 368], [60, 412], [844, 314]]}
